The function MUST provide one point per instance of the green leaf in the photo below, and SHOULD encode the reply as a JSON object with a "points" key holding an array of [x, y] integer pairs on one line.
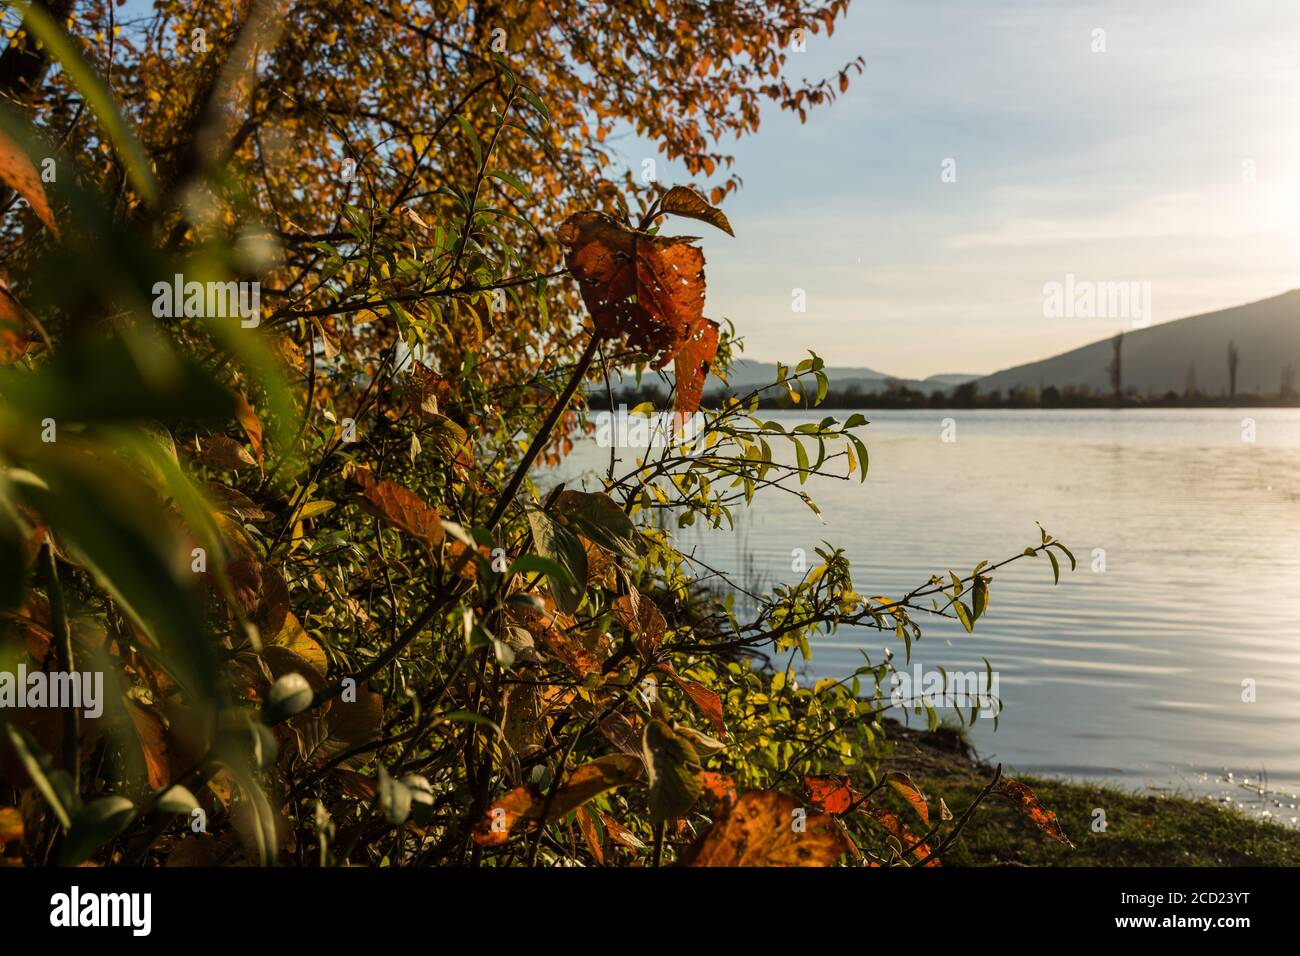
{"points": [[55, 785], [93, 826], [673, 766], [963, 614], [981, 599], [1056, 566], [512, 181], [599, 517], [558, 544]]}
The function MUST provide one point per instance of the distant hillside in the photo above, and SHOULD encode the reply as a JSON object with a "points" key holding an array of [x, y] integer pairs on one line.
{"points": [[747, 374], [1157, 359]]}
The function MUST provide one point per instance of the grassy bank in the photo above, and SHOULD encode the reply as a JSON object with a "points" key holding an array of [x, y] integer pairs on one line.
{"points": [[1141, 829]]}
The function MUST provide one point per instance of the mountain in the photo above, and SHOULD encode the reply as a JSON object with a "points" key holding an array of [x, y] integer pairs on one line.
{"points": [[948, 380], [1157, 359], [747, 374]]}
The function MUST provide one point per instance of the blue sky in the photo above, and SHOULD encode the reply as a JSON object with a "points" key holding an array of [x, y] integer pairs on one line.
{"points": [[1125, 165]]}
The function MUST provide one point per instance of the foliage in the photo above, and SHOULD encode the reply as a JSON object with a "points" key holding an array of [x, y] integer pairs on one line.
{"points": [[338, 619]]}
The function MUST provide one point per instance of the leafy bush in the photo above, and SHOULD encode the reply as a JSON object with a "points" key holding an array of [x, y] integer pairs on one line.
{"points": [[337, 619]]}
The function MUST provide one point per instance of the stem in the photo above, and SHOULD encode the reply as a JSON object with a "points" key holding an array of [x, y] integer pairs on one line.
{"points": [[63, 647], [544, 433]]}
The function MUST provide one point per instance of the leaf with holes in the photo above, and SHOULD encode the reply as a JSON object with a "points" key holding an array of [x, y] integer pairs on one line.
{"points": [[647, 288]]}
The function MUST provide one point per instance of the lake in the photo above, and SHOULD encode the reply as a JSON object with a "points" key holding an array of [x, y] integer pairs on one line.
{"points": [[1131, 670]]}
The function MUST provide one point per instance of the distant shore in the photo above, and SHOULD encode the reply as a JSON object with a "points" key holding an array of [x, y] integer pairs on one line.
{"points": [[958, 398]]}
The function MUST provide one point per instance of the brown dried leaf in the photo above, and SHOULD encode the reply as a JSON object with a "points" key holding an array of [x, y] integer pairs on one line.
{"points": [[523, 805], [759, 830], [397, 506], [1027, 803], [640, 616], [18, 173], [685, 201], [649, 288], [252, 426], [224, 454]]}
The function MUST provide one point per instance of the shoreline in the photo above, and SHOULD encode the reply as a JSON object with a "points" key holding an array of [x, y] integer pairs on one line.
{"points": [[1141, 829]]}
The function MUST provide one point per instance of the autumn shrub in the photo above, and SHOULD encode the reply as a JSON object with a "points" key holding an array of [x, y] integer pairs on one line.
{"points": [[301, 302]]}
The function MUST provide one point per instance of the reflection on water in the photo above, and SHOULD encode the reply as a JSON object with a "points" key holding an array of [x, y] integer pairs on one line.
{"points": [[1132, 674]]}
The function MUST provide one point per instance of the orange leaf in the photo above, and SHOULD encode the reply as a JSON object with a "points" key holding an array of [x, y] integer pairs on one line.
{"points": [[830, 794], [706, 701], [899, 831], [523, 805], [14, 340], [902, 784], [587, 824], [392, 503], [719, 786], [18, 173], [1028, 804], [11, 825], [762, 829], [691, 366], [649, 288], [149, 732], [251, 424], [621, 834]]}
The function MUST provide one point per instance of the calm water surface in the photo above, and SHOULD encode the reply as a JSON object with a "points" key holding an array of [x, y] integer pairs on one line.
{"points": [[1132, 675]]}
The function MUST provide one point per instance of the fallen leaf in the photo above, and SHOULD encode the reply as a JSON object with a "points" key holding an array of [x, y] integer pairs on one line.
{"points": [[1028, 804]]}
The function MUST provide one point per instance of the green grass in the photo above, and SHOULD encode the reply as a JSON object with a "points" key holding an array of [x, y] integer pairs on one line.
{"points": [[1141, 829]]}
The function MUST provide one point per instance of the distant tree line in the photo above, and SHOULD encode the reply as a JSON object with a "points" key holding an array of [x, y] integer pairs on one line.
{"points": [[897, 394]]}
